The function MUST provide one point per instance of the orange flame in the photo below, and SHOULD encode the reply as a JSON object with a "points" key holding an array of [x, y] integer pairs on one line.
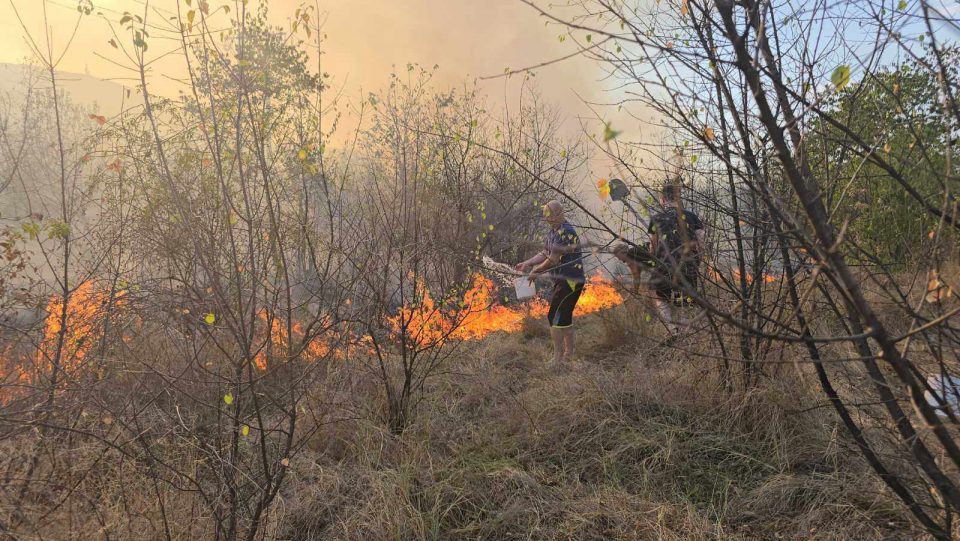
{"points": [[315, 349], [84, 326], [479, 315], [85, 314], [422, 323], [767, 278], [599, 294]]}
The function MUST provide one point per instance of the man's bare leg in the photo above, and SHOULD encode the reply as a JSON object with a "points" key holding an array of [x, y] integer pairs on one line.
{"points": [[557, 335], [569, 345], [666, 314]]}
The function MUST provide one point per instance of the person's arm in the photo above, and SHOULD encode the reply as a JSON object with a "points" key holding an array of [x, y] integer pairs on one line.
{"points": [[563, 249], [532, 262], [551, 259], [700, 240]]}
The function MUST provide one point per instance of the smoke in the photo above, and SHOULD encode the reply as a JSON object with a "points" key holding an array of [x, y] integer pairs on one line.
{"points": [[465, 39]]}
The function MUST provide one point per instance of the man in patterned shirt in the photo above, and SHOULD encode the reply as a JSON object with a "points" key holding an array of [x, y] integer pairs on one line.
{"points": [[562, 260]]}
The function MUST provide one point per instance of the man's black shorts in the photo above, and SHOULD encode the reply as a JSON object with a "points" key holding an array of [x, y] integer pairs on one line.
{"points": [[669, 286], [564, 299]]}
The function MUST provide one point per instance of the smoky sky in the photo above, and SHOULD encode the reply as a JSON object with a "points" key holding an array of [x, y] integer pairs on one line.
{"points": [[365, 40]]}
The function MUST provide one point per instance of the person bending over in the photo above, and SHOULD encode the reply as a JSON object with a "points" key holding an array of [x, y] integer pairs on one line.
{"points": [[676, 243], [562, 260]]}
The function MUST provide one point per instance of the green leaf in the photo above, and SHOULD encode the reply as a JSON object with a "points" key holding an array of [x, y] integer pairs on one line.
{"points": [[113, 43], [58, 230], [589, 38], [139, 42], [228, 398], [902, 5], [693, 158], [32, 229], [609, 133], [841, 76]]}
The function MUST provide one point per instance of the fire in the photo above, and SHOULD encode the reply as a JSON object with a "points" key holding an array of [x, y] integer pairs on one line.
{"points": [[598, 295], [421, 323], [735, 274], [482, 315], [479, 314], [767, 278], [84, 326], [69, 349], [315, 349], [426, 322]]}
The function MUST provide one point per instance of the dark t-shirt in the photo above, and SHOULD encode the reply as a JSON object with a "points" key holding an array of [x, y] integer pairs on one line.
{"points": [[571, 264], [667, 226]]}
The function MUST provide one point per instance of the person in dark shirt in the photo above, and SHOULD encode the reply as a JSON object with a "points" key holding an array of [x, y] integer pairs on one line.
{"points": [[562, 260], [676, 244]]}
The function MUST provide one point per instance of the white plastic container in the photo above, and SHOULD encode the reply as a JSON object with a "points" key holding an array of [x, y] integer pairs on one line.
{"points": [[525, 290]]}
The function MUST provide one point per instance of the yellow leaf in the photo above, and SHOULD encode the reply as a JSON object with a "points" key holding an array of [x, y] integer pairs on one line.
{"points": [[245, 430], [609, 133], [840, 76], [302, 155], [210, 318], [228, 398]]}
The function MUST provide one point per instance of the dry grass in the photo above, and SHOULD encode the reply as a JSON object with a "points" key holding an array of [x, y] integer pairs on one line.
{"points": [[637, 446], [633, 441]]}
